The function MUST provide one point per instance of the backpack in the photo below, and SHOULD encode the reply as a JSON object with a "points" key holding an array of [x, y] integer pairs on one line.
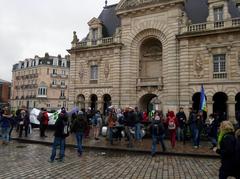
{"points": [[171, 124]]}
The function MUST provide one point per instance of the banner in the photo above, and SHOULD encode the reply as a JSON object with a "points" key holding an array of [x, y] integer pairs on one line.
{"points": [[35, 112]]}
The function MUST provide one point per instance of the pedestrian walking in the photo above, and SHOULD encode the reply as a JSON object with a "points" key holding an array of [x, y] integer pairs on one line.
{"points": [[5, 125], [212, 128], [96, 123], [137, 126], [61, 132], [157, 132], [192, 122], [129, 124], [172, 127], [78, 127], [226, 150]]}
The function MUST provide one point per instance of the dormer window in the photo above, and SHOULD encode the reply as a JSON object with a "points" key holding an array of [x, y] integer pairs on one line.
{"points": [[64, 63], [55, 62], [218, 14], [95, 26]]}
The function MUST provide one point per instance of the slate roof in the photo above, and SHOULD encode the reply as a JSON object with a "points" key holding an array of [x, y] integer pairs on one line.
{"points": [[197, 12]]}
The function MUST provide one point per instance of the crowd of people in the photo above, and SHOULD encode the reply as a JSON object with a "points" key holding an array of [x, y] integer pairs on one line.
{"points": [[132, 124]]}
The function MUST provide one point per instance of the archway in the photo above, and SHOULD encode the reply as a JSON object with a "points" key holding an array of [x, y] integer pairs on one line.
{"points": [[81, 101], [146, 102], [237, 105], [93, 102], [220, 104], [196, 98], [150, 64], [106, 102]]}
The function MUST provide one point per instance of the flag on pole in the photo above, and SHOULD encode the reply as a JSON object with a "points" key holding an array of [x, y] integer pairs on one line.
{"points": [[203, 101]]}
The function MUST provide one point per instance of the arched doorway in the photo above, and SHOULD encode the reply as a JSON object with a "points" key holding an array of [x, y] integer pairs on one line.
{"points": [[146, 102], [196, 101], [150, 64], [81, 101], [196, 98], [106, 102], [220, 104], [237, 105], [93, 102]]}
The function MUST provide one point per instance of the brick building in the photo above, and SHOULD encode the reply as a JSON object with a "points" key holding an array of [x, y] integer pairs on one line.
{"points": [[5, 89]]}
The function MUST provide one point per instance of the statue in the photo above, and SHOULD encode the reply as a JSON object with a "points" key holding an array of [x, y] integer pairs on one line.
{"points": [[106, 70], [199, 66], [75, 38]]}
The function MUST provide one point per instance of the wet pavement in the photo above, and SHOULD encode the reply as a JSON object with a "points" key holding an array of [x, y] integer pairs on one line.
{"points": [[30, 161], [144, 146]]}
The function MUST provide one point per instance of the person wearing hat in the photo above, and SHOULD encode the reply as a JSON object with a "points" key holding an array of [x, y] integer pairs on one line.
{"points": [[5, 122], [24, 121]]}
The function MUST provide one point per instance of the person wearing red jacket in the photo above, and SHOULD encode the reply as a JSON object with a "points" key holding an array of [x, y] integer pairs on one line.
{"points": [[43, 122], [172, 127]]}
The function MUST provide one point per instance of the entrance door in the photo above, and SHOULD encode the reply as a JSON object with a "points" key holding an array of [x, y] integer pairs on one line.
{"points": [[145, 103], [93, 104], [220, 104], [106, 102]]}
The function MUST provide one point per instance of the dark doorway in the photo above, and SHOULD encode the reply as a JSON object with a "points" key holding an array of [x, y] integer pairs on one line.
{"points": [[93, 104], [196, 103], [106, 102], [81, 101], [220, 104], [145, 103]]}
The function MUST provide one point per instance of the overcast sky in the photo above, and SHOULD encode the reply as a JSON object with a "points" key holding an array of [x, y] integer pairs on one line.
{"points": [[33, 27]]}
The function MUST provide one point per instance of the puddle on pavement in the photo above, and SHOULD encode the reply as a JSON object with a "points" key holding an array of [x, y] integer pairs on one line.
{"points": [[21, 146]]}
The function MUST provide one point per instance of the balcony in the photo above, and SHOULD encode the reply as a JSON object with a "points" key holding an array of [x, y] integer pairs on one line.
{"points": [[103, 41], [63, 76], [222, 75], [54, 75], [235, 22], [41, 96], [62, 97], [53, 85], [63, 86], [150, 82]]}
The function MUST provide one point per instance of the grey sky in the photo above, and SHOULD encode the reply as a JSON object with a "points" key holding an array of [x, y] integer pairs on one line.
{"points": [[33, 27]]}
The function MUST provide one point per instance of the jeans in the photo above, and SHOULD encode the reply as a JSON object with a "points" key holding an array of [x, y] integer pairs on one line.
{"points": [[61, 142], [5, 134], [129, 135], [21, 130], [79, 137], [155, 140], [196, 137], [138, 135], [111, 135]]}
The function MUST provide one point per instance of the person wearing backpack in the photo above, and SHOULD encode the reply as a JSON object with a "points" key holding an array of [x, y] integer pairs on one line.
{"points": [[61, 132], [172, 127], [96, 122], [157, 131], [226, 149], [78, 127]]}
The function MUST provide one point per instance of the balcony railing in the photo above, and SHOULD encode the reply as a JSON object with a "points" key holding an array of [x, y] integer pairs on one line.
{"points": [[103, 41], [235, 22], [222, 75]]}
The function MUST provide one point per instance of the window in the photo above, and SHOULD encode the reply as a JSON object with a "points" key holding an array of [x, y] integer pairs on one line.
{"points": [[94, 34], [219, 66], [63, 83], [238, 6], [42, 91], [63, 72], [94, 72], [64, 63], [47, 71], [54, 82], [62, 93], [55, 71], [218, 14], [48, 105], [55, 62]]}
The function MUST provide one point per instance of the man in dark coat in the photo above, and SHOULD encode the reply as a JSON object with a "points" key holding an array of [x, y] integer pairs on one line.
{"points": [[61, 132]]}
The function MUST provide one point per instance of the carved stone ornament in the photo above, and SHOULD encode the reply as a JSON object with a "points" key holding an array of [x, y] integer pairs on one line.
{"points": [[75, 38], [106, 70], [81, 73], [198, 66]]}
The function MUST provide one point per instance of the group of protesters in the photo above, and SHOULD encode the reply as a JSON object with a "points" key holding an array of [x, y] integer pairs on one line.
{"points": [[132, 124]]}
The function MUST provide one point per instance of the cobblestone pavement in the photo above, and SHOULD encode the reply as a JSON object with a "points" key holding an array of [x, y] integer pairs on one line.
{"points": [[20, 161]]}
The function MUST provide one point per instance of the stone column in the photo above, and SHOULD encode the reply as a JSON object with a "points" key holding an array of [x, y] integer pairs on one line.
{"points": [[231, 109], [209, 105]]}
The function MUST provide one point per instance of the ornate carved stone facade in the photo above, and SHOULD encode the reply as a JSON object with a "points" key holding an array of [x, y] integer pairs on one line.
{"points": [[159, 51]]}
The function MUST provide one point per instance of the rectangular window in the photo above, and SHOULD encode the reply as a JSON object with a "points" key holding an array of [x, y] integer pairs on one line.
{"points": [[218, 14], [54, 82], [64, 63], [55, 71], [55, 62], [63, 83], [63, 72], [219, 66], [62, 93], [95, 34], [42, 91], [94, 72]]}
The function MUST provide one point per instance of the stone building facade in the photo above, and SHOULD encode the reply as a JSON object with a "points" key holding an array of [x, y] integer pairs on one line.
{"points": [[5, 89], [157, 54], [40, 82]]}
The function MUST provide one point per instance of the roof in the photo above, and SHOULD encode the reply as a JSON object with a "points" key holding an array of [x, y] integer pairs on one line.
{"points": [[3, 81], [110, 20], [197, 10]]}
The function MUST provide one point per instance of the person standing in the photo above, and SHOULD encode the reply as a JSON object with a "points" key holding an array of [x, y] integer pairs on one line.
{"points": [[181, 130], [226, 150], [78, 127], [172, 127], [24, 122], [43, 122], [96, 123], [61, 132], [139, 118], [111, 124], [5, 125], [157, 131], [129, 123], [192, 122], [212, 125], [237, 156]]}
